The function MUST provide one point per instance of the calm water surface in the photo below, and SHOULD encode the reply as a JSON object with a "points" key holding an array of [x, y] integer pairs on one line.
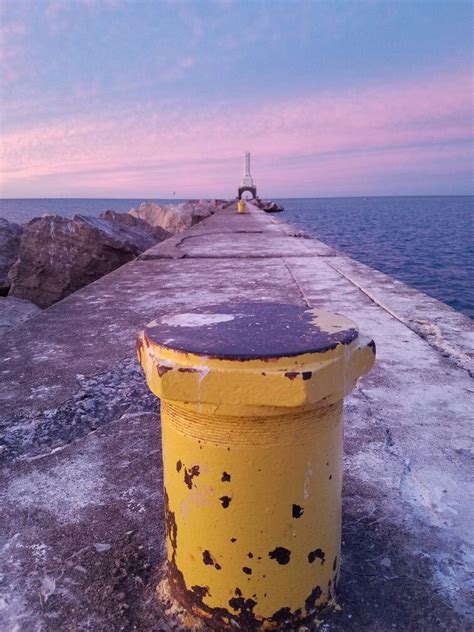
{"points": [[427, 242]]}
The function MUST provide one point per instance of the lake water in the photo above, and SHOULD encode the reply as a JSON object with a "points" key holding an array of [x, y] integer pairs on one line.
{"points": [[427, 242], [23, 210]]}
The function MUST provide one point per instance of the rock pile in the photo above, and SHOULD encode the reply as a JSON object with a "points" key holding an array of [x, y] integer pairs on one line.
{"points": [[53, 256], [126, 219], [268, 207], [176, 217], [59, 255], [10, 237]]}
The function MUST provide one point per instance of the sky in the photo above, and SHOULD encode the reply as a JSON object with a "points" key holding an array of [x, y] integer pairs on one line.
{"points": [[155, 98]]}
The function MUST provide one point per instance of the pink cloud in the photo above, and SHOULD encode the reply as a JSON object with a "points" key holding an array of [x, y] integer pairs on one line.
{"points": [[333, 140]]}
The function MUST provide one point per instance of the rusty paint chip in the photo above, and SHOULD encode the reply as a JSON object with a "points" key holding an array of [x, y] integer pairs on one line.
{"points": [[200, 591], [190, 474], [225, 501], [297, 511], [280, 554], [316, 554], [310, 602], [245, 606], [283, 615], [162, 369]]}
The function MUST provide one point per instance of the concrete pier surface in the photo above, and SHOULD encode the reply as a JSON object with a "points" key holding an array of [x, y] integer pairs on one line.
{"points": [[82, 510]]}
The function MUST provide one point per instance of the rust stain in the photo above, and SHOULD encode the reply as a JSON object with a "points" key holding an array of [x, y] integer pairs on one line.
{"points": [[297, 511], [225, 501], [200, 591], [209, 560], [162, 369], [311, 600], [139, 347], [316, 554], [190, 474], [280, 554]]}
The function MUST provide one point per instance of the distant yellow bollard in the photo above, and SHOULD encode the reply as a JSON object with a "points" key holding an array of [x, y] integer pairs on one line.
{"points": [[241, 206], [251, 410]]}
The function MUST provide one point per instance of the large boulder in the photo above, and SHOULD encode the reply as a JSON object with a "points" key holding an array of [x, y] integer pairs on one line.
{"points": [[126, 219], [59, 255], [268, 206], [14, 311], [175, 217], [10, 237]]}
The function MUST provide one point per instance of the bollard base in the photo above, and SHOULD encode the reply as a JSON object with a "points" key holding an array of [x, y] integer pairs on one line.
{"points": [[179, 617], [249, 547], [189, 613]]}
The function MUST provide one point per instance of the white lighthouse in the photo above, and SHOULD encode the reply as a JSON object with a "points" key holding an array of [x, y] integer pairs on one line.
{"points": [[247, 180]]}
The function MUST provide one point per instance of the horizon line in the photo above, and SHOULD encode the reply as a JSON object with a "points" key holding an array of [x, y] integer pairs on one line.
{"points": [[214, 197]]}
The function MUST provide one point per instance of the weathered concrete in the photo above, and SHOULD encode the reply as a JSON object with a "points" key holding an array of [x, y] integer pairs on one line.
{"points": [[83, 506], [14, 311]]}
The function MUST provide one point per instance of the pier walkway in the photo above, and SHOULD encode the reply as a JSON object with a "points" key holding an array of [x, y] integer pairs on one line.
{"points": [[82, 509]]}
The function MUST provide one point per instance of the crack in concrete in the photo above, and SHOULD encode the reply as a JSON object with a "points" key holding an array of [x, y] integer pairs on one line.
{"points": [[305, 299], [427, 331]]}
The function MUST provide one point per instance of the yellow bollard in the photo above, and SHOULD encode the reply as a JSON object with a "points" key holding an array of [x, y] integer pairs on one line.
{"points": [[251, 410], [241, 206]]}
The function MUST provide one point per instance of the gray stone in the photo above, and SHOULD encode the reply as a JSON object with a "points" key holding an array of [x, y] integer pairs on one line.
{"points": [[60, 255], [10, 236], [126, 219], [14, 311], [176, 217]]}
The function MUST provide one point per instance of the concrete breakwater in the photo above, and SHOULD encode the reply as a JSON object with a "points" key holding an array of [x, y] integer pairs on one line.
{"points": [[83, 505], [53, 256]]}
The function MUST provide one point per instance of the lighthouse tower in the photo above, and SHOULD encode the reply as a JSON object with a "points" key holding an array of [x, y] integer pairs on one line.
{"points": [[247, 180]]}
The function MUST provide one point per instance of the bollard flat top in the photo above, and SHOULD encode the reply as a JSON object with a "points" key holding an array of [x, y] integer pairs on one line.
{"points": [[247, 331]]}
